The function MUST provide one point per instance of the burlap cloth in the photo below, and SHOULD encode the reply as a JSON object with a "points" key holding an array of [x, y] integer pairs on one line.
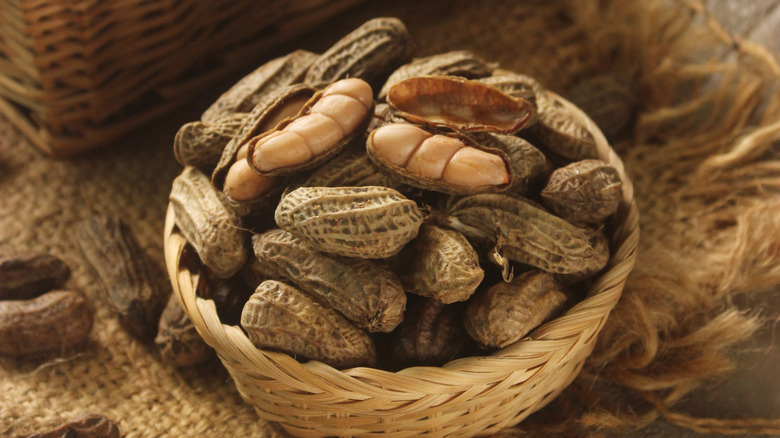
{"points": [[41, 200]]}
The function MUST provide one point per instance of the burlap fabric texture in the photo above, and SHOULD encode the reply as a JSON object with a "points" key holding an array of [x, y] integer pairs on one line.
{"points": [[702, 153]]}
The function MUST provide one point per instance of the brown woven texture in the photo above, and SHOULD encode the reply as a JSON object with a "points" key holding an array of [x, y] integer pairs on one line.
{"points": [[700, 154], [76, 74]]}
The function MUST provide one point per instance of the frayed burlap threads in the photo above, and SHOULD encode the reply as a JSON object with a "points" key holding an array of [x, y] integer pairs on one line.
{"points": [[704, 160]]}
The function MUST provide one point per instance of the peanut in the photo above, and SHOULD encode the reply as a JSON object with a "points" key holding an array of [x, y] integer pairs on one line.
{"points": [[178, 341], [52, 322], [29, 275], [281, 317], [586, 191]]}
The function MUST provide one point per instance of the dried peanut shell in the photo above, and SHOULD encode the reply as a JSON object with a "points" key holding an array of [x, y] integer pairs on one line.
{"points": [[362, 290], [430, 335], [281, 317], [200, 144], [406, 177], [51, 322], [27, 275], [462, 63], [126, 277], [517, 85], [444, 266], [209, 226], [350, 168], [559, 132], [369, 52], [178, 341], [458, 104], [586, 191], [252, 88], [528, 234], [528, 165], [368, 222], [505, 313], [608, 99]]}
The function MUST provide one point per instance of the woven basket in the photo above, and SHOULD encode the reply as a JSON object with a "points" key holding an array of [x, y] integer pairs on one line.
{"points": [[462, 398], [76, 74]]}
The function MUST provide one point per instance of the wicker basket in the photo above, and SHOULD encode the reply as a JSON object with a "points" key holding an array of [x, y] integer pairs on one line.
{"points": [[76, 74], [463, 398]]}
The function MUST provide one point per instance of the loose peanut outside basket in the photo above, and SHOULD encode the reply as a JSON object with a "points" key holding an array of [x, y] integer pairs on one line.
{"points": [[465, 397]]}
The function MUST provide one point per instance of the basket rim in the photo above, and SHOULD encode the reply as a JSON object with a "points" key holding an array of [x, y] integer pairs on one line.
{"points": [[571, 336]]}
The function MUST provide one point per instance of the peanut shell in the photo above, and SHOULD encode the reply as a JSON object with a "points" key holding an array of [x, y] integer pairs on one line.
{"points": [[362, 290], [369, 222], [178, 341], [281, 317], [200, 144], [505, 313], [252, 88], [27, 275], [586, 191]]}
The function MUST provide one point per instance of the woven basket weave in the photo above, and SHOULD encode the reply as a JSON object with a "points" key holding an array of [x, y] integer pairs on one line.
{"points": [[462, 398], [76, 74]]}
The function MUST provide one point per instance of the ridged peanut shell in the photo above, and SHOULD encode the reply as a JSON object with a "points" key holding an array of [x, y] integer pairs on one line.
{"points": [[586, 191], [252, 88], [51, 322], [362, 290], [200, 144], [462, 63], [517, 85], [178, 341], [126, 278], [506, 312], [431, 334], [444, 266], [280, 317], [529, 234], [349, 168], [27, 275], [559, 132], [263, 118], [412, 179], [458, 104], [369, 222], [208, 225], [609, 100], [528, 165], [369, 52]]}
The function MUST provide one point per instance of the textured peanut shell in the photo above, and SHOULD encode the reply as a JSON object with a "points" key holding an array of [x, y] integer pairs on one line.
{"points": [[264, 110], [251, 89], [369, 52], [27, 275], [200, 144], [609, 100], [280, 317], [586, 191], [125, 276], [460, 63], [86, 426], [529, 234], [178, 341], [517, 85], [404, 176], [350, 168], [48, 323], [355, 137], [558, 132], [369, 222], [506, 312], [431, 334], [207, 224], [528, 165], [458, 104], [362, 290], [444, 266]]}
